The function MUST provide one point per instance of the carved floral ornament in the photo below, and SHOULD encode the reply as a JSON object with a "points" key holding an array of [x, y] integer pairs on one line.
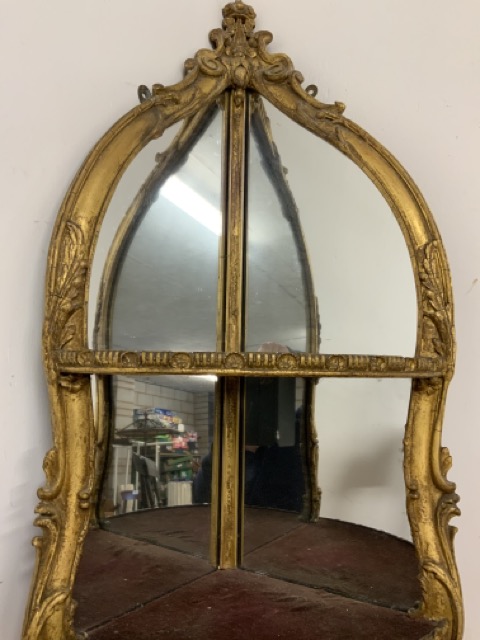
{"points": [[240, 62]]}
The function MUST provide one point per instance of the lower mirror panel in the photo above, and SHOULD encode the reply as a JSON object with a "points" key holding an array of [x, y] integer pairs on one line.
{"points": [[360, 548], [161, 427], [146, 572]]}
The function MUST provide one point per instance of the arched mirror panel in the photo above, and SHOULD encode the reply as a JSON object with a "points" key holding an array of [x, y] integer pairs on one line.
{"points": [[248, 342], [281, 306], [125, 193], [162, 270], [359, 260]]}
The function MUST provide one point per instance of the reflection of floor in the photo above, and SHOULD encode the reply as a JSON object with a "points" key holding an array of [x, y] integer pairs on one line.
{"points": [[130, 587]]}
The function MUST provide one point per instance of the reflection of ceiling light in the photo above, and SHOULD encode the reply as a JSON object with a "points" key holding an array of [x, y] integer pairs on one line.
{"points": [[209, 378], [189, 201]]}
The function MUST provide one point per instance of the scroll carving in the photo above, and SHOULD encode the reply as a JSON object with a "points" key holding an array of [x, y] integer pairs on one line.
{"points": [[68, 468], [241, 59], [432, 503]]}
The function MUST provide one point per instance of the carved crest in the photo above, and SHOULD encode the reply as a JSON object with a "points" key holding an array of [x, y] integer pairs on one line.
{"points": [[241, 58]]}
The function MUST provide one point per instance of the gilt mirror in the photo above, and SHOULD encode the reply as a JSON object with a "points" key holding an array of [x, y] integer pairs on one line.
{"points": [[248, 341]]}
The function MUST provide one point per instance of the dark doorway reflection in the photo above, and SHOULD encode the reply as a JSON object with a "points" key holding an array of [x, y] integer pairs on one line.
{"points": [[274, 473], [275, 465]]}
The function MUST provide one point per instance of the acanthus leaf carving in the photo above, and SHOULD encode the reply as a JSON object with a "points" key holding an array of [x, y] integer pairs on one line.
{"points": [[65, 315], [436, 308]]}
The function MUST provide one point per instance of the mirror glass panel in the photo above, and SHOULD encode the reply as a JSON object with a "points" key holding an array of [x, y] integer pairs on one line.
{"points": [[127, 189], [163, 287], [361, 425], [280, 303], [157, 487], [362, 275], [275, 472], [360, 547]]}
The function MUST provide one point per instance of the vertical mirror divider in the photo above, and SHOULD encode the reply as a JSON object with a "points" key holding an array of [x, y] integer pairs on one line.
{"points": [[215, 514], [103, 418], [229, 411]]}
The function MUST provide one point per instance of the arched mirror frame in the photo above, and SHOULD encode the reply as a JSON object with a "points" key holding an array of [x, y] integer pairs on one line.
{"points": [[239, 61]]}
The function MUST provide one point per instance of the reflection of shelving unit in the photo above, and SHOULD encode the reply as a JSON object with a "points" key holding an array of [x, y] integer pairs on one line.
{"points": [[172, 469], [166, 482]]}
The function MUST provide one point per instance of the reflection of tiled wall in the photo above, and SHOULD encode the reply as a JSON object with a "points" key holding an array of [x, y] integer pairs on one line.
{"points": [[124, 399], [130, 394]]}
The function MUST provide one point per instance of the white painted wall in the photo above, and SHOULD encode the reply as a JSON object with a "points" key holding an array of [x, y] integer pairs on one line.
{"points": [[409, 74]]}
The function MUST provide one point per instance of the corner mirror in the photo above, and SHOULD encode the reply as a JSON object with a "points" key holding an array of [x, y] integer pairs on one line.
{"points": [[248, 342]]}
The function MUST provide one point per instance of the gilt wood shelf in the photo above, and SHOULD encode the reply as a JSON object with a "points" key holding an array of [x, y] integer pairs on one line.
{"points": [[247, 364]]}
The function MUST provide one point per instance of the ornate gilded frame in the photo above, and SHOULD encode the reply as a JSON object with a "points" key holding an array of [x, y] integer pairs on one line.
{"points": [[238, 62]]}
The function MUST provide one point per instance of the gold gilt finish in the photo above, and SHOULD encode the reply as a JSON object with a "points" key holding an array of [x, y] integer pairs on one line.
{"points": [[304, 365], [240, 62], [233, 332]]}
